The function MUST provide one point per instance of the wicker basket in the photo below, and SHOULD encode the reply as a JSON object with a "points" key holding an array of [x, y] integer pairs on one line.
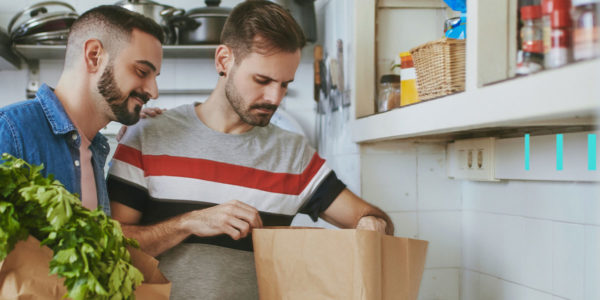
{"points": [[440, 67]]}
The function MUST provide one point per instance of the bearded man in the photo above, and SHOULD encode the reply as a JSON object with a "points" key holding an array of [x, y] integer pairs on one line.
{"points": [[112, 59]]}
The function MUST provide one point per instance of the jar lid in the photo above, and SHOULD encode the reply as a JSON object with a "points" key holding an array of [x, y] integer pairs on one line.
{"points": [[531, 12], [547, 6], [561, 4], [390, 78]]}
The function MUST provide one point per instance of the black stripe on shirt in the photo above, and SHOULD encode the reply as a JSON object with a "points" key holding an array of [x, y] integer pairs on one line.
{"points": [[327, 191]]}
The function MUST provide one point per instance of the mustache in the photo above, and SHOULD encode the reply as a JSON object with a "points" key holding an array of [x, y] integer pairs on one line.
{"points": [[271, 107], [143, 96]]}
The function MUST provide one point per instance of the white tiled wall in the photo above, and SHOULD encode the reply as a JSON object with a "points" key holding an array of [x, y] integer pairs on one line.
{"points": [[532, 237], [408, 180]]}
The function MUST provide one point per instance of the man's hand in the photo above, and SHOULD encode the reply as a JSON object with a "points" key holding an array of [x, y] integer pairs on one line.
{"points": [[372, 223], [146, 112], [234, 218], [151, 112]]}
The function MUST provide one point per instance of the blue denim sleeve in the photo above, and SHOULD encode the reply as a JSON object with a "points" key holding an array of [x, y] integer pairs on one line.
{"points": [[8, 137]]}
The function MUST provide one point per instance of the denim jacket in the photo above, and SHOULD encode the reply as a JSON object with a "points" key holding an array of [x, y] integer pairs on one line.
{"points": [[40, 132]]}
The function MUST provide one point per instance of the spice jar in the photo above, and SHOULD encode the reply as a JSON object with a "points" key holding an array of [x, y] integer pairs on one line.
{"points": [[389, 92], [586, 33], [532, 35], [547, 8], [560, 51]]}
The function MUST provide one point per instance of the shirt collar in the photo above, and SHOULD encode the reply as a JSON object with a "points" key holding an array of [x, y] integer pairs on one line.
{"points": [[54, 111], [59, 120]]}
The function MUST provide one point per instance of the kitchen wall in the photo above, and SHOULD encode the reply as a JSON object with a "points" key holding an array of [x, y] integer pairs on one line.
{"points": [[407, 179], [506, 240]]}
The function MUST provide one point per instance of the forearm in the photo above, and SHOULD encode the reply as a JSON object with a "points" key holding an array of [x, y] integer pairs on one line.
{"points": [[347, 210], [158, 238]]}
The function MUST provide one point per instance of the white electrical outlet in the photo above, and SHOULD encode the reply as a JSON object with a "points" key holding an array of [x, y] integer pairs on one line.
{"points": [[472, 159]]}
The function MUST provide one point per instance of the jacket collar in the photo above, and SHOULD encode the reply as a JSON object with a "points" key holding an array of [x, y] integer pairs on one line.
{"points": [[59, 120], [54, 111]]}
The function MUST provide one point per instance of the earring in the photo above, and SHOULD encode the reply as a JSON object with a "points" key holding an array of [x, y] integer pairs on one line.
{"points": [[221, 73]]}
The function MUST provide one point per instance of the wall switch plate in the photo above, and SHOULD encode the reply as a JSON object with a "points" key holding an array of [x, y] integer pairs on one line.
{"points": [[472, 159]]}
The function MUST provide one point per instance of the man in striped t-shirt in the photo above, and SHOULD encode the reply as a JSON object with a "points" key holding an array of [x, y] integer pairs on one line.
{"points": [[191, 184]]}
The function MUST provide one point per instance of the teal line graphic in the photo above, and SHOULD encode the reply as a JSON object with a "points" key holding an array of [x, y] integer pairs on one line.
{"points": [[591, 152], [527, 152], [559, 152]]}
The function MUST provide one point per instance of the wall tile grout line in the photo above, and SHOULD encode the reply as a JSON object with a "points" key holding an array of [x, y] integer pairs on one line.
{"points": [[515, 283], [529, 217]]}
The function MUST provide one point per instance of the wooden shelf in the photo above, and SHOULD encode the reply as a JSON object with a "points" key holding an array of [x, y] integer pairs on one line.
{"points": [[559, 98], [169, 51]]}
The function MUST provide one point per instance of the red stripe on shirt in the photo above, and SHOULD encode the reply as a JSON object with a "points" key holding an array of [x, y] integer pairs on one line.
{"points": [[129, 155], [196, 168]]}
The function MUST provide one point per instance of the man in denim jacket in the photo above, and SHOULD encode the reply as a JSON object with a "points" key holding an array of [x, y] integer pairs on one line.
{"points": [[112, 59]]}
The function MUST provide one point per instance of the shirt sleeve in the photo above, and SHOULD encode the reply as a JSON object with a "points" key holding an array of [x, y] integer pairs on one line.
{"points": [[126, 183], [8, 137], [126, 193], [327, 191]]}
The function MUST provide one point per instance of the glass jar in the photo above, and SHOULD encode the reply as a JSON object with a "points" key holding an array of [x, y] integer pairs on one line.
{"points": [[389, 92], [586, 32], [547, 8], [532, 34]]}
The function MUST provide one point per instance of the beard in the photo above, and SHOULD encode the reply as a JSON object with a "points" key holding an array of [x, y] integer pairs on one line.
{"points": [[107, 86], [237, 103]]}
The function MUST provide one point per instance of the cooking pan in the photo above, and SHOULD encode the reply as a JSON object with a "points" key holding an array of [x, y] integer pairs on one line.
{"points": [[160, 13], [201, 25], [58, 37], [39, 19]]}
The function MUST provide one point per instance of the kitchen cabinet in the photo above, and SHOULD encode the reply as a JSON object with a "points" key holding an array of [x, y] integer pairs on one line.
{"points": [[558, 100]]}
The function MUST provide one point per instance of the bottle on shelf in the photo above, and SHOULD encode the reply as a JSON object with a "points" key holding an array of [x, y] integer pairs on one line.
{"points": [[532, 39], [547, 6], [586, 32], [408, 84], [560, 52]]}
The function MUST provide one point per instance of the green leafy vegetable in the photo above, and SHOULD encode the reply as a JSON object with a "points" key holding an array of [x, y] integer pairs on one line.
{"points": [[89, 248]]}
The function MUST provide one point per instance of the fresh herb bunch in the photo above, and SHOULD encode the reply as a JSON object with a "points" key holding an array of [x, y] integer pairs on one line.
{"points": [[89, 248]]}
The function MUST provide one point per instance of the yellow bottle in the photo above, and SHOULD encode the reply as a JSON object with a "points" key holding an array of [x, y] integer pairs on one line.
{"points": [[408, 76]]}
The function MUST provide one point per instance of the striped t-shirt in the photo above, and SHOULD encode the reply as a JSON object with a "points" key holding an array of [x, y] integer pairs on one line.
{"points": [[173, 163]]}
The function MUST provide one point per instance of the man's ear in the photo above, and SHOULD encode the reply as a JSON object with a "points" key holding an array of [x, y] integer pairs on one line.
{"points": [[93, 53], [224, 60]]}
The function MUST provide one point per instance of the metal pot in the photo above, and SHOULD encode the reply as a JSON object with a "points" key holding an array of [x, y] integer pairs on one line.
{"points": [[201, 25], [160, 13], [42, 21], [57, 37]]}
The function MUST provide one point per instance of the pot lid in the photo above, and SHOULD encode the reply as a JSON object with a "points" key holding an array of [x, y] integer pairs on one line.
{"points": [[39, 10], [212, 9], [46, 22], [143, 2]]}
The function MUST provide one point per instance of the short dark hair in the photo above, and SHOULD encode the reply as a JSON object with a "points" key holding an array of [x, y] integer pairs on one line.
{"points": [[109, 24], [261, 26]]}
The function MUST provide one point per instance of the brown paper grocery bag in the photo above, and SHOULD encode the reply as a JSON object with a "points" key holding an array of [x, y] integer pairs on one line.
{"points": [[24, 274], [343, 264]]}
